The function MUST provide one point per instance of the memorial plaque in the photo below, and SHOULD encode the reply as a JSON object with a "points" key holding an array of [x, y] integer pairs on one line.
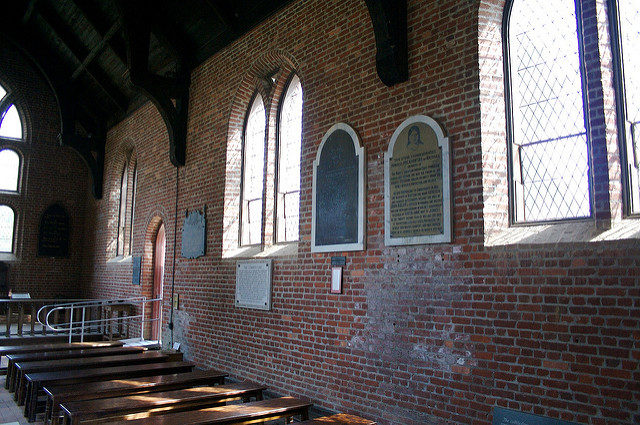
{"points": [[53, 234], [511, 417], [417, 184], [137, 270], [338, 192], [253, 284], [194, 234]]}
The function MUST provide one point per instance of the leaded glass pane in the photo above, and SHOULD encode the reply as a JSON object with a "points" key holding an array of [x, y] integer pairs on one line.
{"points": [[253, 173], [289, 162], [547, 107], [3, 92], [9, 170], [10, 125], [6, 228], [630, 45]]}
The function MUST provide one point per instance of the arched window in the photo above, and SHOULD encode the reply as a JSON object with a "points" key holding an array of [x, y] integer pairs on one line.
{"points": [[253, 173], [10, 123], [290, 138], [9, 170], [126, 205], [624, 16], [134, 186], [549, 145], [7, 228], [122, 210]]}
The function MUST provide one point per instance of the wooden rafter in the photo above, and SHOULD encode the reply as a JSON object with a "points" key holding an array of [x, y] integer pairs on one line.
{"points": [[94, 18]]}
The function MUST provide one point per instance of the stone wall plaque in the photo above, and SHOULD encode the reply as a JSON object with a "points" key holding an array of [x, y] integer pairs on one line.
{"points": [[511, 417], [417, 184], [53, 233], [137, 270], [253, 284], [194, 232], [338, 192]]}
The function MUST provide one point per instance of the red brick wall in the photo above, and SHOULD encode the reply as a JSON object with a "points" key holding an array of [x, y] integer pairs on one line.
{"points": [[50, 174], [422, 334]]}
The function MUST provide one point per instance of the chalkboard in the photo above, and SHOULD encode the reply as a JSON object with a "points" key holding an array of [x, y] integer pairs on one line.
{"points": [[511, 417], [137, 270], [53, 234], [338, 192], [193, 235]]}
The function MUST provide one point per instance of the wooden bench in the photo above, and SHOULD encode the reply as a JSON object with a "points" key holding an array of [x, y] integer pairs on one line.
{"points": [[35, 381], [237, 414], [36, 348], [57, 395], [111, 409], [82, 363], [340, 419], [66, 354]]}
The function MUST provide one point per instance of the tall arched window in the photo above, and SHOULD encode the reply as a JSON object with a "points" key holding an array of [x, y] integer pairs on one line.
{"points": [[253, 173], [9, 170], [128, 180], [122, 210], [624, 16], [288, 185], [7, 228], [10, 123], [549, 145]]}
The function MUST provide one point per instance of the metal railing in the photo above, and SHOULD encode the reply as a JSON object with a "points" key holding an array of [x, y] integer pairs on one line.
{"points": [[19, 316], [84, 316]]}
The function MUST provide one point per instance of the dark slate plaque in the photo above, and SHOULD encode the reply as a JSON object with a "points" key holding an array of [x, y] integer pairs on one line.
{"points": [[137, 270], [193, 234], [338, 192], [53, 234], [511, 417]]}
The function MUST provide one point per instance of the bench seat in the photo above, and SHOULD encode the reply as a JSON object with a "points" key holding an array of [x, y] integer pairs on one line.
{"points": [[339, 419], [35, 381], [110, 409], [237, 414], [58, 394]]}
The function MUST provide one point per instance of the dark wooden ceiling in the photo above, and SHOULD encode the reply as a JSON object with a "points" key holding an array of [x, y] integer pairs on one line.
{"points": [[82, 44]]}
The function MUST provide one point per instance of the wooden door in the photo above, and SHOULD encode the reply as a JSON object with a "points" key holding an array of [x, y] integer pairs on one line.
{"points": [[158, 277]]}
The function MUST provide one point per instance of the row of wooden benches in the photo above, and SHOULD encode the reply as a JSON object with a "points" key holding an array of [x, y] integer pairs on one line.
{"points": [[106, 382]]}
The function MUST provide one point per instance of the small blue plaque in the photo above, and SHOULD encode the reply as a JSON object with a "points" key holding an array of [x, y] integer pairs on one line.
{"points": [[137, 270], [193, 234], [511, 417]]}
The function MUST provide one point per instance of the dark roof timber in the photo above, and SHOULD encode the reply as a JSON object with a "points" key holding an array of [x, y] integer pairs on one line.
{"points": [[104, 58]]}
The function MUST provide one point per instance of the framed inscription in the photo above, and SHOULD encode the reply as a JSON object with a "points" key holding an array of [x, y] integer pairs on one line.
{"points": [[511, 417], [137, 270], [53, 234], [253, 284], [417, 184], [337, 219], [194, 232]]}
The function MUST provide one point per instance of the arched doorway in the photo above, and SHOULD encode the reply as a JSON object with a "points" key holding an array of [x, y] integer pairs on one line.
{"points": [[158, 277]]}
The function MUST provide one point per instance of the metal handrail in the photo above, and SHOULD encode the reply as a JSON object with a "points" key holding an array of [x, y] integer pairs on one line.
{"points": [[83, 324]]}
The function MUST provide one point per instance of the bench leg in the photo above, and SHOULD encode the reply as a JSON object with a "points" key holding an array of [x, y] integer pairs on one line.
{"points": [[33, 402], [8, 378]]}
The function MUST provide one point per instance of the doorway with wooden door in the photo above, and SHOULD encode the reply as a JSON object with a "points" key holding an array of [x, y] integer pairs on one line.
{"points": [[159, 249]]}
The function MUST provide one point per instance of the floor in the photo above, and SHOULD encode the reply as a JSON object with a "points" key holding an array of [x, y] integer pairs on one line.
{"points": [[10, 412]]}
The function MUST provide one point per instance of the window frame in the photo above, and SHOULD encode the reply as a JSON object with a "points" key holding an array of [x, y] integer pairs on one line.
{"points": [[276, 208], [516, 200], [9, 146], [13, 231], [241, 212], [615, 35]]}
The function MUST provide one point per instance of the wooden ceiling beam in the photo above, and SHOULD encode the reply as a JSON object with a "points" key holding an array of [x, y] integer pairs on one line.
{"points": [[94, 18], [80, 52]]}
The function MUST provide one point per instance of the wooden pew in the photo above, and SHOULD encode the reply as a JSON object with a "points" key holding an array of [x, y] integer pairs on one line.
{"points": [[35, 381], [340, 419], [57, 395], [65, 354], [36, 348], [82, 363], [237, 414], [110, 409]]}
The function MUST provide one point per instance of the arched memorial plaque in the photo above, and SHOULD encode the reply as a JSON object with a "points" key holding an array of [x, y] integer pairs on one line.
{"points": [[338, 192], [417, 184]]}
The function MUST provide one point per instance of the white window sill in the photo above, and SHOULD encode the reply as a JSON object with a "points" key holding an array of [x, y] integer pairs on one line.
{"points": [[571, 231], [121, 259], [8, 257], [280, 250]]}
